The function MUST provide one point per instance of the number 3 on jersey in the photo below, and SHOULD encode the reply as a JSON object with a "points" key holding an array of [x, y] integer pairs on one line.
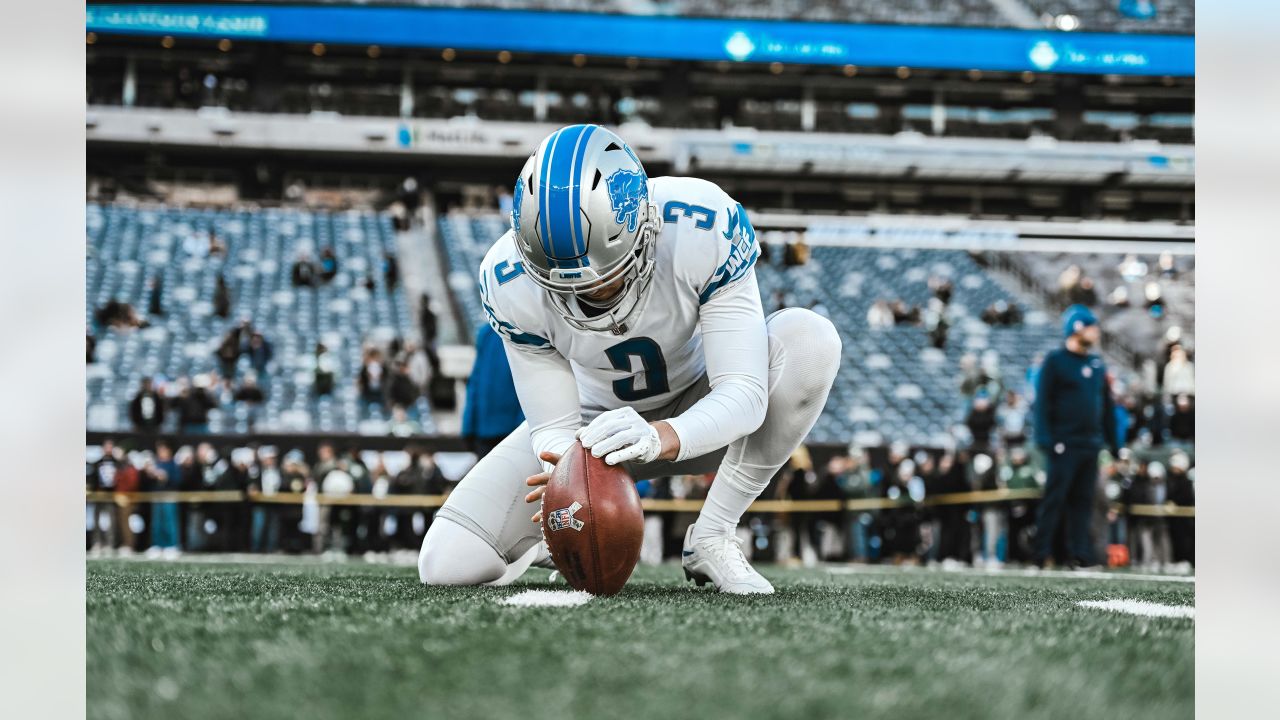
{"points": [[651, 361]]}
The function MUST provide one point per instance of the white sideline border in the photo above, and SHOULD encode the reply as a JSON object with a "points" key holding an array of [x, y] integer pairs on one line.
{"points": [[1141, 608]]}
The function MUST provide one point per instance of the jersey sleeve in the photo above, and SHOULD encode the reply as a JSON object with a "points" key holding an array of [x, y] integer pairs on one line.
{"points": [[736, 251], [499, 308], [543, 378]]}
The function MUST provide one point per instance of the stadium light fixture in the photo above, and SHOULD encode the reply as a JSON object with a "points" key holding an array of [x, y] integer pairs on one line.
{"points": [[318, 49], [374, 52], [166, 42], [224, 45], [775, 68], [850, 70], [90, 38], [1066, 22], [448, 54], [579, 60], [903, 72], [504, 57], [1028, 77]]}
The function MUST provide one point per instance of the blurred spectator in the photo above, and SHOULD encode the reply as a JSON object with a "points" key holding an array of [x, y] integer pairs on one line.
{"points": [[903, 315], [304, 271], [1119, 297], [1131, 268], [879, 316], [165, 477], [1182, 423], [492, 409], [328, 265], [155, 296], [146, 410], [427, 320], [217, 248], [1084, 293], [118, 316], [260, 352], [416, 361], [401, 389], [953, 545], [229, 350], [193, 405], [1167, 267], [1019, 474], [1001, 313], [935, 321], [265, 532], [323, 370], [401, 425], [128, 479], [249, 391], [232, 518], [1074, 420], [981, 419], [221, 297], [390, 271], [1012, 419], [372, 379], [104, 531], [942, 289], [984, 476], [1179, 372], [1154, 299], [90, 345], [1182, 492]]}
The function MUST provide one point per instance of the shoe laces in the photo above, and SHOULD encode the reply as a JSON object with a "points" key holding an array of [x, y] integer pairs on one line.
{"points": [[729, 552]]}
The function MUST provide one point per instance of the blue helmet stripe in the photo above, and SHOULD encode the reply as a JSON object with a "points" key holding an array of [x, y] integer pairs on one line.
{"points": [[580, 242], [544, 189], [559, 183]]}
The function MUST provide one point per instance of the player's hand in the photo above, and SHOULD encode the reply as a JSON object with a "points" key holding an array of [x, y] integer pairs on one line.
{"points": [[539, 483], [621, 435]]}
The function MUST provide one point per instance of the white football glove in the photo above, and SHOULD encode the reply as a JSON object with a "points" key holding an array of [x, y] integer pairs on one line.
{"points": [[621, 435]]}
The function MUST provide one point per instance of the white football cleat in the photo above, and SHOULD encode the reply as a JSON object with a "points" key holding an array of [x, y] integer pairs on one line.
{"points": [[719, 561]]}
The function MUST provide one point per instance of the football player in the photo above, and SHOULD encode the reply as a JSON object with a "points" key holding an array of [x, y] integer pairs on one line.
{"points": [[630, 304]]}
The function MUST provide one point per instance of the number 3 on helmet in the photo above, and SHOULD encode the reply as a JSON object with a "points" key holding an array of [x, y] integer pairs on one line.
{"points": [[583, 221]]}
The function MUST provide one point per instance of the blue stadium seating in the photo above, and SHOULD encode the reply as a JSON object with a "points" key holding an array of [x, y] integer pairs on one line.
{"points": [[127, 247], [892, 382]]}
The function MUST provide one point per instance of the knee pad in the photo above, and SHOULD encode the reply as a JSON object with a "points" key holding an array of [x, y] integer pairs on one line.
{"points": [[812, 347], [453, 555]]}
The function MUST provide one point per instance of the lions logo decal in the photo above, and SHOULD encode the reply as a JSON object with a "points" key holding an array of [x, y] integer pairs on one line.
{"points": [[627, 189], [515, 204], [563, 518]]}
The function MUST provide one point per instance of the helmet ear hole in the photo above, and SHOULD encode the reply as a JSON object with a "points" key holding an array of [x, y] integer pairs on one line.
{"points": [[595, 183]]}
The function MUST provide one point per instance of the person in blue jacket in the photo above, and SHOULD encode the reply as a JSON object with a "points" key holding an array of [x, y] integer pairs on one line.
{"points": [[1074, 420], [492, 410]]}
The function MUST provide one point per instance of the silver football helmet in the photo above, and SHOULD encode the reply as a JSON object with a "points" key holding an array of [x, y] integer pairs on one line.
{"points": [[585, 226]]}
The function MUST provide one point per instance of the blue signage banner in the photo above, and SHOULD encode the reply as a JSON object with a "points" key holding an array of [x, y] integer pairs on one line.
{"points": [[707, 39]]}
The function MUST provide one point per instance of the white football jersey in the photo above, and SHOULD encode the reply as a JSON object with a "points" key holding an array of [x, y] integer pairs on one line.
{"points": [[705, 246]]}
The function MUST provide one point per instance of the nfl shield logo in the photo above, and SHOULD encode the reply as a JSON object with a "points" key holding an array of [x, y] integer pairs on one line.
{"points": [[563, 518]]}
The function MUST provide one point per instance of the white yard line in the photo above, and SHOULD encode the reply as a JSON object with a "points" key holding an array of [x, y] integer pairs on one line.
{"points": [[547, 598], [1011, 572], [1141, 607]]}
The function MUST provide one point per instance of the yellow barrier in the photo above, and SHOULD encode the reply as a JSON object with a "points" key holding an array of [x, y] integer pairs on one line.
{"points": [[760, 506]]}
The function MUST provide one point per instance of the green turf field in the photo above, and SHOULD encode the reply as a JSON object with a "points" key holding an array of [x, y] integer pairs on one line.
{"points": [[313, 640]]}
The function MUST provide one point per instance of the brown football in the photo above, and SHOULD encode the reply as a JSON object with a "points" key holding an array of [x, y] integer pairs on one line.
{"points": [[592, 521]]}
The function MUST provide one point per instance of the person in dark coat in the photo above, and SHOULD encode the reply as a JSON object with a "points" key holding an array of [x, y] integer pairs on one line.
{"points": [[146, 410], [1074, 420]]}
